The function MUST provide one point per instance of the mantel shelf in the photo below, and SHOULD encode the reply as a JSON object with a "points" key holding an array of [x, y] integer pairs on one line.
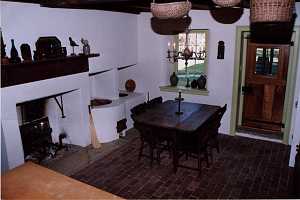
{"points": [[51, 60], [26, 72]]}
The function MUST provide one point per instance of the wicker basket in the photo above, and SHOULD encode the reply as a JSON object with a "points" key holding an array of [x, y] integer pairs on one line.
{"points": [[227, 3], [170, 10], [271, 10]]}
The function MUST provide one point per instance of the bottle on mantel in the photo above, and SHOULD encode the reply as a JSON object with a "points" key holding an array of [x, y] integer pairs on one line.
{"points": [[14, 56]]}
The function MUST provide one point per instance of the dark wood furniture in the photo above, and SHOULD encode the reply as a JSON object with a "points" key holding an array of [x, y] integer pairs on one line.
{"points": [[25, 72], [155, 101], [213, 140], [164, 118], [32, 181], [146, 134]]}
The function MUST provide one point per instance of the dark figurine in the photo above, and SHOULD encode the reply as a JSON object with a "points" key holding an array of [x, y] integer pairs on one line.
{"points": [[201, 82], [194, 84], [14, 55], [73, 44], [221, 50], [174, 79], [26, 52], [4, 58], [86, 47], [3, 53]]}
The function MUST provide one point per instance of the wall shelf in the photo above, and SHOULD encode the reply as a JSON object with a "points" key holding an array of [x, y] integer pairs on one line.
{"points": [[25, 72]]}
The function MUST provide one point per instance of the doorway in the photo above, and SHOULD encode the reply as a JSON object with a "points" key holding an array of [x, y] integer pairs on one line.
{"points": [[263, 89]]}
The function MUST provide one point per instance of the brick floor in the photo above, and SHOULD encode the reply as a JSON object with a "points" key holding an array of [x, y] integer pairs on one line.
{"points": [[245, 168]]}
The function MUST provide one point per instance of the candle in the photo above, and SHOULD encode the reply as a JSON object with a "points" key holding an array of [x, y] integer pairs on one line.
{"points": [[169, 45], [174, 45]]}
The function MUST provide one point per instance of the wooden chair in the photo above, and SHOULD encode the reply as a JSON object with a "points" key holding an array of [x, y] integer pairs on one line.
{"points": [[146, 134], [147, 139], [213, 140], [194, 145], [155, 101], [138, 109]]}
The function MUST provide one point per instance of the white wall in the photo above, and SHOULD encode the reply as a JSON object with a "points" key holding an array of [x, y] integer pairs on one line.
{"points": [[111, 34], [154, 71], [296, 136]]}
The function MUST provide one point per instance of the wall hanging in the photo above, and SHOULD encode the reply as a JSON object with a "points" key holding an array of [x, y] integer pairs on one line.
{"points": [[170, 10], [221, 50]]}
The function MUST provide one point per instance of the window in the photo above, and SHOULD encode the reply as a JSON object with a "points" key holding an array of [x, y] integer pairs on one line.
{"points": [[267, 61], [197, 41]]}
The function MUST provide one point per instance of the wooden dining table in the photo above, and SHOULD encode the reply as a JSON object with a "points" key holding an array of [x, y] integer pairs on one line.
{"points": [[163, 116]]}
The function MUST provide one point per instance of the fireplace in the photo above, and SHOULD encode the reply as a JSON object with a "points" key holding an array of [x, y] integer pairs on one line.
{"points": [[37, 140], [65, 78]]}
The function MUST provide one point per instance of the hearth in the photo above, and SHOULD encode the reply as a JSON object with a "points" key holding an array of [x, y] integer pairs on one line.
{"points": [[37, 140]]}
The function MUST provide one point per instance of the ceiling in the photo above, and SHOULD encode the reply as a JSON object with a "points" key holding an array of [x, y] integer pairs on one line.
{"points": [[128, 6]]}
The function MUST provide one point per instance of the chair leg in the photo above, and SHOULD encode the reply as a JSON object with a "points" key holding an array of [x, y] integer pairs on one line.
{"points": [[175, 160], [158, 155], [169, 149], [217, 145], [210, 153], [151, 155], [141, 149], [206, 157], [199, 164]]}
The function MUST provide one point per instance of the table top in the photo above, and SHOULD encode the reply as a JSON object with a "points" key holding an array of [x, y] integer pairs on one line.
{"points": [[164, 116], [32, 181]]}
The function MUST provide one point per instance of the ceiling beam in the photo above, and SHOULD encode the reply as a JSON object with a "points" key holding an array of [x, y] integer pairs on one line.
{"points": [[127, 6]]}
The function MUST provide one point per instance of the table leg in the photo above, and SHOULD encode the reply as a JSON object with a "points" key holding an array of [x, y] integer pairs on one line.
{"points": [[175, 153]]}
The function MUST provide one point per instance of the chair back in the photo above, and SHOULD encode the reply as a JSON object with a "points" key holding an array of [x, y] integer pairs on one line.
{"points": [[155, 101], [221, 113], [215, 122], [138, 109]]}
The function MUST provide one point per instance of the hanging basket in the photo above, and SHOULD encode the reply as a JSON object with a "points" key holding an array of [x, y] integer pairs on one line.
{"points": [[271, 10], [170, 26], [170, 10], [227, 3]]}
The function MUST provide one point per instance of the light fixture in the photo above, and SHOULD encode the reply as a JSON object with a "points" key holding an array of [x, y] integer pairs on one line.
{"points": [[173, 55], [187, 54]]}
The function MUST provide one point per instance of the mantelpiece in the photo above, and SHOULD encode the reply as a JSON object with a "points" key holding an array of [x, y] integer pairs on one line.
{"points": [[44, 79], [25, 72]]}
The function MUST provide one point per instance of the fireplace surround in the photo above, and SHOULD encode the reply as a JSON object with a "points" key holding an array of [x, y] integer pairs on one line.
{"points": [[76, 122]]}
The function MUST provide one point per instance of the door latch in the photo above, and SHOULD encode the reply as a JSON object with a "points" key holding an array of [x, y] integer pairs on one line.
{"points": [[246, 89]]}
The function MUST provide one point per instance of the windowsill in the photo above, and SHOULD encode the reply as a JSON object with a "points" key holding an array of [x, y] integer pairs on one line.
{"points": [[184, 90]]}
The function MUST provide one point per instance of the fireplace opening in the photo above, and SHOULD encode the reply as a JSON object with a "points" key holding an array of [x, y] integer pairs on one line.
{"points": [[36, 132]]}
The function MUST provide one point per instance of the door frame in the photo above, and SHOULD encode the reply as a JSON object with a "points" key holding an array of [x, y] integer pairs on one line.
{"points": [[239, 73]]}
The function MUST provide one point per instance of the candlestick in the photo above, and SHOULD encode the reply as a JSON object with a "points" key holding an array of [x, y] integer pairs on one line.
{"points": [[148, 98], [179, 99]]}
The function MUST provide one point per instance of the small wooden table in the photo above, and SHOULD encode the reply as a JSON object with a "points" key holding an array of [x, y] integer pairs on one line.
{"points": [[31, 181], [163, 116]]}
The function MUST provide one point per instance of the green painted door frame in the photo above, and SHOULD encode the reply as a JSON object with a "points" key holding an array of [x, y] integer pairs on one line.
{"points": [[239, 73]]}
